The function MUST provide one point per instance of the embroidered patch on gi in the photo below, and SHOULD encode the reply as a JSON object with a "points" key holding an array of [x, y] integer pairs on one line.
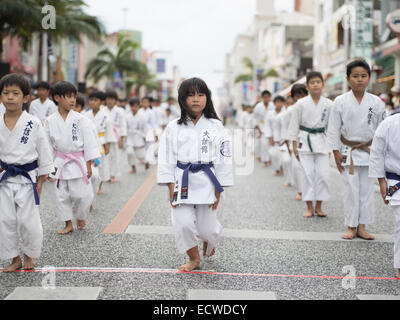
{"points": [[226, 149], [184, 193]]}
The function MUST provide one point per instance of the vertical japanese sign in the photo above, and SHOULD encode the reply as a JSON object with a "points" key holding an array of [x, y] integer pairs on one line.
{"points": [[364, 27]]}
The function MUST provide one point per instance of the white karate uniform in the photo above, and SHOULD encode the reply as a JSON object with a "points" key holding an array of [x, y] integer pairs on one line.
{"points": [[205, 142], [261, 146], [268, 133], [42, 110], [278, 134], [175, 110], [70, 137], [356, 122], [316, 162], [385, 157], [136, 139], [20, 217], [2, 109], [118, 129], [151, 134], [249, 123], [104, 131]]}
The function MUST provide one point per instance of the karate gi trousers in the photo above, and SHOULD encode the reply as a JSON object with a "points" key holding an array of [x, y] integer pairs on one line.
{"points": [[95, 179], [190, 222], [114, 158], [264, 150], [104, 168], [287, 166], [358, 197], [316, 171], [75, 193], [275, 155], [298, 174], [397, 236], [19, 219], [135, 154]]}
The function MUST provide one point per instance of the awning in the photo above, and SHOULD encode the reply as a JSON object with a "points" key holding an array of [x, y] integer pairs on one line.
{"points": [[286, 91], [388, 65], [335, 80]]}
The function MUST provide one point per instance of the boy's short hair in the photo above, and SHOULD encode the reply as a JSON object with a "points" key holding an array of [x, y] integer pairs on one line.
{"points": [[97, 95], [266, 92], [111, 94], [358, 63], [63, 89], [146, 98], [43, 85], [80, 100], [134, 101], [18, 80], [171, 98], [314, 74], [279, 98], [298, 88]]}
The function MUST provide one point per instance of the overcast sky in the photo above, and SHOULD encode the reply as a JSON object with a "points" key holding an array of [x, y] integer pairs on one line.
{"points": [[198, 32]]}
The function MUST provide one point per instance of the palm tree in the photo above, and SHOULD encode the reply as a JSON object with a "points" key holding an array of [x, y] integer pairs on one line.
{"points": [[22, 18], [107, 63], [248, 77], [142, 78]]}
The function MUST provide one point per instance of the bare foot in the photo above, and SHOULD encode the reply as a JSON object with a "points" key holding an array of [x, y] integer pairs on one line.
{"points": [[29, 263], [113, 180], [278, 174], [190, 266], [80, 224], [298, 197], [15, 265], [320, 213], [205, 246], [350, 234], [147, 166], [287, 185], [91, 208], [68, 229], [259, 159], [266, 165], [365, 235], [100, 192], [308, 214]]}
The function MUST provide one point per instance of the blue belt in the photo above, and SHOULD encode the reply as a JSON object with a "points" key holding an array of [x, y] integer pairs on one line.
{"points": [[392, 190], [14, 170], [206, 167]]}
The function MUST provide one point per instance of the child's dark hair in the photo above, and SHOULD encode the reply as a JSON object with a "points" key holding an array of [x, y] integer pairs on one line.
{"points": [[134, 101], [191, 86], [43, 85], [314, 74], [358, 63], [97, 95], [18, 80], [146, 98], [279, 98], [266, 92], [298, 89], [80, 100], [111, 94], [63, 89]]}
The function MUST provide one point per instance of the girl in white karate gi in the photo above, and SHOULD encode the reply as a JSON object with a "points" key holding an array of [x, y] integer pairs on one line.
{"points": [[384, 164], [75, 146], [25, 162], [308, 124], [195, 161], [354, 118]]}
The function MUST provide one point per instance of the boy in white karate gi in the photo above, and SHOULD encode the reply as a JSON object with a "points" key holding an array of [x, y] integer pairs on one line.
{"points": [[384, 164], [195, 161], [259, 113], [278, 134], [25, 162], [2, 109], [309, 123], [298, 91], [274, 147], [152, 134], [117, 119], [136, 139], [75, 146], [100, 118], [43, 106], [354, 118]]}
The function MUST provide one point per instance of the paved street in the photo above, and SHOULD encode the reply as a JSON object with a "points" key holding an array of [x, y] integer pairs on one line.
{"points": [[268, 250]]}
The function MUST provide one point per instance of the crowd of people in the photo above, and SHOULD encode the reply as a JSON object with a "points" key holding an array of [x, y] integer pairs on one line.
{"points": [[79, 146]]}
